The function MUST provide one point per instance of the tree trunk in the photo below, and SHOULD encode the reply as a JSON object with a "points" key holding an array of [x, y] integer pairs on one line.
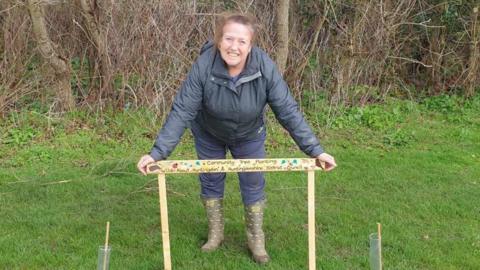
{"points": [[59, 64], [473, 65], [3, 15], [313, 43], [98, 35], [282, 34], [436, 52]]}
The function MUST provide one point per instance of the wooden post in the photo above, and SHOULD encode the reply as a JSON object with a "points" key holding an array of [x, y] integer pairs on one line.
{"points": [[162, 194], [311, 220]]}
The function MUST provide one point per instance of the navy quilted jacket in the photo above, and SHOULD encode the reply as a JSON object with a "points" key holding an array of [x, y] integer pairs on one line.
{"points": [[233, 111]]}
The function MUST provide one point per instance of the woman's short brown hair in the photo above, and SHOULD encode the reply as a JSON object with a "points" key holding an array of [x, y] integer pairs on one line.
{"points": [[226, 18]]}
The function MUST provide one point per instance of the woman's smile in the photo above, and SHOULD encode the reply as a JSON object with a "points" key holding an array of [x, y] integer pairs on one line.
{"points": [[235, 46]]}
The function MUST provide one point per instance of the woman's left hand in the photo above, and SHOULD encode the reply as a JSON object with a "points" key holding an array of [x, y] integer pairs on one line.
{"points": [[326, 161]]}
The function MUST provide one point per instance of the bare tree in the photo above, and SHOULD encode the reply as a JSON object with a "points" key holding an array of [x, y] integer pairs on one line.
{"points": [[59, 64], [136, 53], [97, 31], [2, 26], [474, 65], [282, 33]]}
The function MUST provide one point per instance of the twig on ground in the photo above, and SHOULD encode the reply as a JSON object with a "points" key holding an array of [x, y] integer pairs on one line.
{"points": [[56, 182]]}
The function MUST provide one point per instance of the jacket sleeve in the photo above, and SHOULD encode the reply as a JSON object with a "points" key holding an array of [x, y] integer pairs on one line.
{"points": [[186, 104], [287, 112]]}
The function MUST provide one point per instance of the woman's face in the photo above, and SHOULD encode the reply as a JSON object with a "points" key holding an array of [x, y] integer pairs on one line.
{"points": [[235, 45]]}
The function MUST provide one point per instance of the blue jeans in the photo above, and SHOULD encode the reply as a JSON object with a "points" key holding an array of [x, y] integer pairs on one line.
{"points": [[252, 184]]}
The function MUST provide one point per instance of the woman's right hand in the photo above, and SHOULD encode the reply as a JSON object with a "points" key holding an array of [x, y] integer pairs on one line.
{"points": [[143, 162]]}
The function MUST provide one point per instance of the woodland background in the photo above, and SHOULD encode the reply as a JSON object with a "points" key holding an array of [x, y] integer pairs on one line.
{"points": [[391, 89], [99, 54]]}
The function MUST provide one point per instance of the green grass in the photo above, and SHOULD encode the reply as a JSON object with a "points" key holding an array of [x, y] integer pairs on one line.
{"points": [[62, 179]]}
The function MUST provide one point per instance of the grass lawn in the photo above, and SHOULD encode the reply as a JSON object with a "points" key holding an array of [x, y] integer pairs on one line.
{"points": [[61, 180]]}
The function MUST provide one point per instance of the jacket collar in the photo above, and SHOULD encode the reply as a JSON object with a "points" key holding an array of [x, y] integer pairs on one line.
{"points": [[219, 68]]}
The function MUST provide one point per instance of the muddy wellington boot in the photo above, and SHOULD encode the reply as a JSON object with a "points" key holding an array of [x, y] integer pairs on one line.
{"points": [[214, 209], [255, 235]]}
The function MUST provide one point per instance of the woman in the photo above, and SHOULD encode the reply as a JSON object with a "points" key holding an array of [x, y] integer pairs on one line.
{"points": [[223, 100]]}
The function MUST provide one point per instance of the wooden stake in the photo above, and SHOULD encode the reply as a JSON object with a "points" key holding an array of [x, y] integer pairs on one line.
{"points": [[311, 220], [106, 246], [162, 193], [379, 232]]}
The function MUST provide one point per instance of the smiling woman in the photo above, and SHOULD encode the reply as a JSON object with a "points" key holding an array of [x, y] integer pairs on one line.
{"points": [[234, 40], [223, 101]]}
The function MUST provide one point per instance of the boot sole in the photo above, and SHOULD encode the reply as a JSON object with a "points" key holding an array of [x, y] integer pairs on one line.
{"points": [[206, 250]]}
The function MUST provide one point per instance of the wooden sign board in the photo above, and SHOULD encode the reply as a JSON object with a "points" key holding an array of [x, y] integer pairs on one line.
{"points": [[234, 165]]}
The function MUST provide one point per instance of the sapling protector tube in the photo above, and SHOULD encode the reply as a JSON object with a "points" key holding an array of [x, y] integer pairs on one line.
{"points": [[104, 252], [376, 249], [104, 257]]}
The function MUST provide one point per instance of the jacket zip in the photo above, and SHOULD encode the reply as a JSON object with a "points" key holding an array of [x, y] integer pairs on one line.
{"points": [[242, 80]]}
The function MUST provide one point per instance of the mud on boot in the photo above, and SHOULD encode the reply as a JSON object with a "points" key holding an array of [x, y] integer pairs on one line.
{"points": [[214, 209], [255, 234]]}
